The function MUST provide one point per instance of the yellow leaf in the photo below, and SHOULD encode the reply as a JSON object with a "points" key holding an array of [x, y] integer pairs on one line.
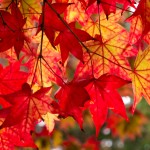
{"points": [[141, 77], [109, 52], [49, 120]]}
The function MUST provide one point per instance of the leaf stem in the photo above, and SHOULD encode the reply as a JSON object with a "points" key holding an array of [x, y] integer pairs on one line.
{"points": [[34, 72], [41, 45]]}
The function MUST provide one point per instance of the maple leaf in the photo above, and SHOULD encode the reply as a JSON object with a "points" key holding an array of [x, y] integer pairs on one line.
{"points": [[51, 22], [19, 23], [68, 42], [71, 98], [109, 53], [49, 120], [11, 29], [104, 96], [27, 107], [140, 77], [106, 57], [48, 67]]}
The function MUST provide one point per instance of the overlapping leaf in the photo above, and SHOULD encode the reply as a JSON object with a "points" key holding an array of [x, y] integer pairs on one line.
{"points": [[108, 53], [50, 21], [45, 69], [104, 96], [69, 43], [71, 98], [141, 77], [27, 108], [11, 29]]}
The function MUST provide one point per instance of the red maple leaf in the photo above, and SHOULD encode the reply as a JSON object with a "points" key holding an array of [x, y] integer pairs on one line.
{"points": [[71, 98], [27, 107], [11, 26], [51, 22], [69, 43], [49, 64], [19, 36], [104, 96], [109, 53]]}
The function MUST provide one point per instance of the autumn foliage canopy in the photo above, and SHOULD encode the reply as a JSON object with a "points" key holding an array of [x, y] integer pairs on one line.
{"points": [[61, 57]]}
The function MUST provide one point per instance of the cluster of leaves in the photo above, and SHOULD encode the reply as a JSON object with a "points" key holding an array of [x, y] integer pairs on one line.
{"points": [[42, 41]]}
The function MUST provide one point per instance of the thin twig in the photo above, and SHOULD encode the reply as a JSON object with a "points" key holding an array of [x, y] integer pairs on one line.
{"points": [[41, 46]]}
